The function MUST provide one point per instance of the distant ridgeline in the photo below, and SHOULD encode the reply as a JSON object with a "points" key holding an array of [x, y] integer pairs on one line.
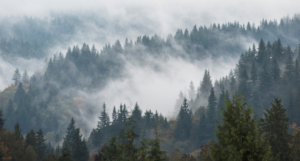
{"points": [[34, 37]]}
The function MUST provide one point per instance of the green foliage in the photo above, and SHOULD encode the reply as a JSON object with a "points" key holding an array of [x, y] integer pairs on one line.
{"points": [[113, 151], [184, 122], [275, 125], [238, 137]]}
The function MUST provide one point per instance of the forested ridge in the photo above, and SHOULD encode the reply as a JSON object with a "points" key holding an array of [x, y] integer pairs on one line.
{"points": [[251, 114]]}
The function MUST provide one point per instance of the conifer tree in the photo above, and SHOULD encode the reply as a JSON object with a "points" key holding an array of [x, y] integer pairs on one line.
{"points": [[274, 125], [211, 113], [202, 134], [131, 152], [155, 152], [69, 139], [192, 92], [184, 122], [40, 144], [206, 84], [17, 77], [275, 71], [261, 56], [31, 139], [66, 154], [1, 120], [19, 94], [79, 151], [114, 115], [113, 151], [253, 73], [25, 77], [238, 137], [104, 118], [18, 131], [137, 113]]}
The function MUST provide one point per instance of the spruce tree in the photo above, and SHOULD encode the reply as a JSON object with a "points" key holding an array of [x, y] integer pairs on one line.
{"points": [[275, 125], [238, 137], [202, 134], [69, 139], [206, 85], [113, 151], [19, 94], [114, 115], [79, 151], [137, 113], [18, 131], [184, 122], [31, 140], [131, 152], [211, 113], [275, 71], [17, 77], [40, 144], [66, 154], [253, 73], [104, 119], [25, 77], [1, 120], [155, 152]]}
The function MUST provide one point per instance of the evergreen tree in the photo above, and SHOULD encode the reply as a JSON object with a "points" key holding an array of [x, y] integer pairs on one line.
{"points": [[262, 55], [275, 70], [206, 85], [253, 73], [114, 115], [155, 152], [66, 154], [238, 137], [104, 119], [137, 113], [17, 77], [19, 94], [1, 120], [202, 134], [31, 140], [25, 77], [79, 148], [40, 144], [18, 131], [184, 122], [69, 139], [113, 151], [192, 92], [131, 152], [211, 113], [274, 125]]}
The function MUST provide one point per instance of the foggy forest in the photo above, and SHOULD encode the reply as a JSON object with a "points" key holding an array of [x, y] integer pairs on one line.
{"points": [[149, 81]]}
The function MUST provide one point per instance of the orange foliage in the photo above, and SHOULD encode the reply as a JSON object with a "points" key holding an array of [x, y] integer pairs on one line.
{"points": [[77, 101], [4, 150]]}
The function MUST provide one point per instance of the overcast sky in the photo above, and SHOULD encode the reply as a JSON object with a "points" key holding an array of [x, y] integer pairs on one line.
{"points": [[169, 14]]}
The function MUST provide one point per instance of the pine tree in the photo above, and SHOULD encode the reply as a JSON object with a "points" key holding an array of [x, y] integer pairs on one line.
{"points": [[69, 139], [114, 115], [205, 85], [17, 77], [1, 120], [40, 144], [19, 94], [211, 113], [79, 151], [274, 125], [66, 154], [192, 92], [131, 152], [18, 131], [184, 122], [113, 151], [137, 113], [262, 55], [25, 77], [238, 137], [275, 71], [31, 140], [253, 73], [202, 134], [155, 152], [104, 119]]}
